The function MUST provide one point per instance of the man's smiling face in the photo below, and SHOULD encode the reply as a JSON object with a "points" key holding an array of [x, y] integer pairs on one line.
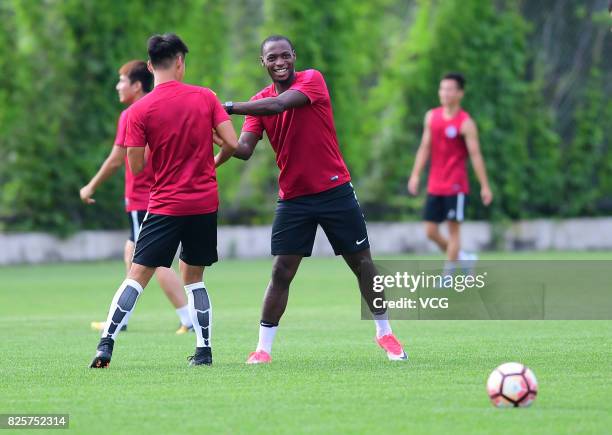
{"points": [[279, 59]]}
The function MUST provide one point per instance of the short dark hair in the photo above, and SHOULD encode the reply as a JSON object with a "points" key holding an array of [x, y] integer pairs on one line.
{"points": [[137, 71], [275, 38], [165, 48], [457, 77]]}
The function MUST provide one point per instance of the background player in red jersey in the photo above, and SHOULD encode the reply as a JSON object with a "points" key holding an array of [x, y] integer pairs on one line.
{"points": [[176, 122], [314, 187], [449, 136], [135, 81]]}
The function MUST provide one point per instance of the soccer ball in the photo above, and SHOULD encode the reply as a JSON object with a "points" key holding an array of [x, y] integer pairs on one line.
{"points": [[512, 385]]}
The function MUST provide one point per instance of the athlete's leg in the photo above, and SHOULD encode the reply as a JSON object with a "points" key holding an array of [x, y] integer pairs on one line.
{"points": [[293, 233], [121, 307], [141, 274], [277, 293], [344, 224], [157, 249], [433, 215], [168, 281], [191, 274], [167, 278], [171, 285], [274, 304], [128, 253], [454, 241], [174, 291], [200, 308], [432, 230], [156, 245], [363, 267], [125, 298], [199, 249]]}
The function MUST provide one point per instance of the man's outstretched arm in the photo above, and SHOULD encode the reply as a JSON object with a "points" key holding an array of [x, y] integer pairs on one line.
{"points": [[246, 144], [113, 162], [270, 105]]}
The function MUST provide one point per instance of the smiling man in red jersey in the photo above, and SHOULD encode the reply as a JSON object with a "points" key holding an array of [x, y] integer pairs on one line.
{"points": [[135, 81], [449, 137], [176, 122], [314, 187]]}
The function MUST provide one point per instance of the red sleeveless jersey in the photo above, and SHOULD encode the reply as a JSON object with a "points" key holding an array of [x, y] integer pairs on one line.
{"points": [[447, 173]]}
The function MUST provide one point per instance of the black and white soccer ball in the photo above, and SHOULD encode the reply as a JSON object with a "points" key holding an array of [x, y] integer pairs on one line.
{"points": [[512, 385]]}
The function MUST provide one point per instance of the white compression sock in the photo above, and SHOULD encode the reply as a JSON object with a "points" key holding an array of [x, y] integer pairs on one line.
{"points": [[200, 311], [128, 316], [449, 267], [267, 332], [183, 314], [383, 327], [121, 307]]}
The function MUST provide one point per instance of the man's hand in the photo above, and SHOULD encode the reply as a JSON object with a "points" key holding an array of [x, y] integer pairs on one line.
{"points": [[218, 160], [486, 195], [413, 185], [86, 193]]}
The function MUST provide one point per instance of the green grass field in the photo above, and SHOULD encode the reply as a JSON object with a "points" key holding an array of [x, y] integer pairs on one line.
{"points": [[327, 376]]}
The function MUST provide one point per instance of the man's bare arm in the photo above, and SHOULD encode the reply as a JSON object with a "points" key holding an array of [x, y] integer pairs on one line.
{"points": [[470, 133], [136, 159], [271, 105], [246, 144], [422, 156], [113, 162], [229, 142]]}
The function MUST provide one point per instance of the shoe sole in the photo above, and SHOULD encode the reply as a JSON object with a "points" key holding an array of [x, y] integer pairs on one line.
{"points": [[192, 364], [258, 362], [402, 357]]}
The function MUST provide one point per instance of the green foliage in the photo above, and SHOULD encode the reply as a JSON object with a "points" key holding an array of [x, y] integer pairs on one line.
{"points": [[539, 111], [488, 46], [585, 158]]}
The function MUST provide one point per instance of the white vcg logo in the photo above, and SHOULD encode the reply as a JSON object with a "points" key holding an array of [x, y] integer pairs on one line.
{"points": [[451, 132]]}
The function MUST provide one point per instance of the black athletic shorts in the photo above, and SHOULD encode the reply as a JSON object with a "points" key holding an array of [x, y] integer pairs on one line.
{"points": [[336, 210], [160, 236], [440, 208], [135, 218]]}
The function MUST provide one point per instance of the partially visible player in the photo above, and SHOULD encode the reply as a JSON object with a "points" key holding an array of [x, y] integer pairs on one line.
{"points": [[295, 112], [449, 136], [135, 81], [176, 121]]}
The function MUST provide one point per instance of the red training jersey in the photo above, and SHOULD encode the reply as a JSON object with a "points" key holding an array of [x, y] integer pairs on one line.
{"points": [[176, 121], [137, 187], [447, 173], [303, 138]]}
